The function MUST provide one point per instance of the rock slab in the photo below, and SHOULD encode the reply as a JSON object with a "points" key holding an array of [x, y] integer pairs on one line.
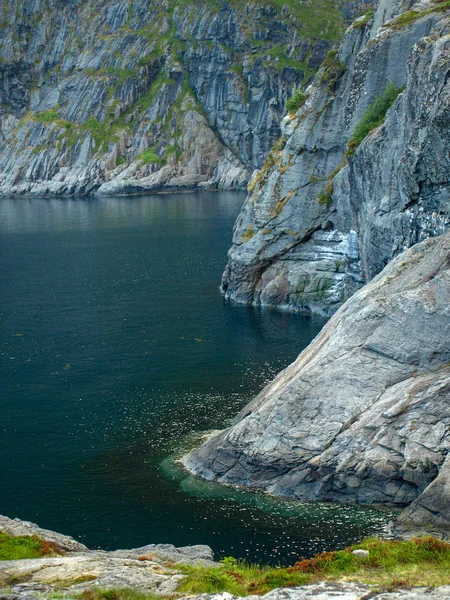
{"points": [[363, 414]]}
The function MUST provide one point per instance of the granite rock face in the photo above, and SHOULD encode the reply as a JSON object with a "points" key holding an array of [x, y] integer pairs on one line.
{"points": [[128, 96], [363, 414], [318, 224]]}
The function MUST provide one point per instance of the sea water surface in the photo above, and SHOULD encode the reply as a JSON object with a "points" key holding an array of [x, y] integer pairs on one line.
{"points": [[115, 347]]}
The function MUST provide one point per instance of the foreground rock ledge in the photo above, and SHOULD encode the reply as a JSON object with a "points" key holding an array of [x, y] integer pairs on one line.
{"points": [[146, 570], [151, 568], [363, 414]]}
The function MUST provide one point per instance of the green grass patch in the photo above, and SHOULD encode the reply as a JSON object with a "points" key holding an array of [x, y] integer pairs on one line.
{"points": [[46, 116], [389, 565], [373, 117], [20, 547], [149, 156]]}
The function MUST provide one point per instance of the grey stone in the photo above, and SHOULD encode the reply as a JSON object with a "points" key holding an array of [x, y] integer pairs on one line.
{"points": [[363, 414], [360, 552]]}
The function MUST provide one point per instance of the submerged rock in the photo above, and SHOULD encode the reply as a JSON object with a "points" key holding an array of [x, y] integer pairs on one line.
{"points": [[363, 414]]}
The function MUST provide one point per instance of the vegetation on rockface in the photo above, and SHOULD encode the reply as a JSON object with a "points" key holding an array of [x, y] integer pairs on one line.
{"points": [[17, 548], [389, 565], [325, 196], [363, 21], [297, 100], [410, 16], [332, 68], [373, 117]]}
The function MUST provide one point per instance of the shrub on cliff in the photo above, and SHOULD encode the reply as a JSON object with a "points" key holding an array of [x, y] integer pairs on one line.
{"points": [[373, 117]]}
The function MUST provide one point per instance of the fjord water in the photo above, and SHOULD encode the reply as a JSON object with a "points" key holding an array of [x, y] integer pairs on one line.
{"points": [[116, 345]]}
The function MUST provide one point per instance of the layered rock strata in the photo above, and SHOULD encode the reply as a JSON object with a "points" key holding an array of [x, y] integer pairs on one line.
{"points": [[128, 96], [363, 414], [320, 221]]}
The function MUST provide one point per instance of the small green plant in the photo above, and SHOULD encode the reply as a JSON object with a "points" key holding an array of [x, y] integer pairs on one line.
{"points": [[47, 116], [229, 561], [297, 100], [373, 117], [326, 195]]}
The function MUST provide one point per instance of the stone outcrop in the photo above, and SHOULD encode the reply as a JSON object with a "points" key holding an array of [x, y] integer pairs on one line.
{"points": [[363, 414], [137, 96], [318, 223], [152, 568]]}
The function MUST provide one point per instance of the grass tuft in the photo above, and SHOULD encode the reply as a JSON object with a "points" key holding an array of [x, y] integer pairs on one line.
{"points": [[117, 594], [389, 565]]}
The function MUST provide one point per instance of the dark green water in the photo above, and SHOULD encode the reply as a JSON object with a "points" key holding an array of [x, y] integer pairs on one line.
{"points": [[115, 346]]}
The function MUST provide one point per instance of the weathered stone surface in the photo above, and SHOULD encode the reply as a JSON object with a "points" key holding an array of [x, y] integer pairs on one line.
{"points": [[341, 591], [150, 568], [86, 90], [363, 414], [298, 249]]}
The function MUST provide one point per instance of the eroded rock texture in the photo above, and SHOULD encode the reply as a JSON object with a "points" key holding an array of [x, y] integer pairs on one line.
{"points": [[363, 414], [124, 96], [318, 224]]}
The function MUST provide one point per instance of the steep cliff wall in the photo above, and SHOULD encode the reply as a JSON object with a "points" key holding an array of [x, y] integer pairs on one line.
{"points": [[128, 95], [363, 414], [322, 217]]}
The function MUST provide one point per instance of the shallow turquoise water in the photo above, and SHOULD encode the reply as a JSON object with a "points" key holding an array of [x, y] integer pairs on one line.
{"points": [[115, 346]]}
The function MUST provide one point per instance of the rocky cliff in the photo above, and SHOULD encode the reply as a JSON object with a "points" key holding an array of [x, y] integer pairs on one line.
{"points": [[361, 172], [130, 95], [363, 414]]}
